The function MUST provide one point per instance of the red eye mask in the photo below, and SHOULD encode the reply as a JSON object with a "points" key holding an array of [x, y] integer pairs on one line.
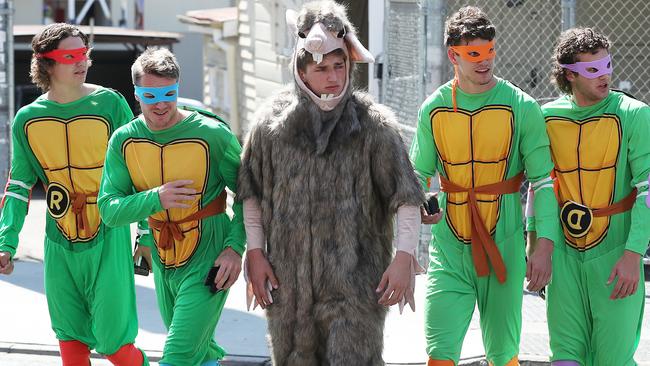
{"points": [[66, 56]]}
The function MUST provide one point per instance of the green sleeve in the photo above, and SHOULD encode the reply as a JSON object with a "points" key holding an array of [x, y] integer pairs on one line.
{"points": [[228, 169], [530, 223], [536, 155], [15, 201], [530, 212], [118, 203], [639, 159], [124, 114], [423, 151]]}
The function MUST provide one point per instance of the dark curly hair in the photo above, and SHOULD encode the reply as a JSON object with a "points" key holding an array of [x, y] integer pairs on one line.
{"points": [[47, 40], [466, 24], [571, 43]]}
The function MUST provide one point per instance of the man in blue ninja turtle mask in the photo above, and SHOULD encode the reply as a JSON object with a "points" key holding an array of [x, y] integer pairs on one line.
{"points": [[172, 166]]}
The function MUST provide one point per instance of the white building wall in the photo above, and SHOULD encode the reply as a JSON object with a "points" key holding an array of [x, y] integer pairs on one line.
{"points": [[247, 90]]}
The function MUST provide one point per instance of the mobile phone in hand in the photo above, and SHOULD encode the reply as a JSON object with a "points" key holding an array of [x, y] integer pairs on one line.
{"points": [[142, 268], [431, 206], [209, 280]]}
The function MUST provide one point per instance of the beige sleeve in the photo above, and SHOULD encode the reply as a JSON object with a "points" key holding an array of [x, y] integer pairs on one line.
{"points": [[408, 229], [253, 224]]}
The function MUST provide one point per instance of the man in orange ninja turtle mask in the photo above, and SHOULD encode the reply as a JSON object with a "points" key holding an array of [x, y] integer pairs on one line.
{"points": [[480, 133]]}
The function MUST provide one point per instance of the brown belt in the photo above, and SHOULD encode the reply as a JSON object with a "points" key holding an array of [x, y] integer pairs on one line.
{"points": [[170, 231], [78, 208], [483, 246], [623, 205]]}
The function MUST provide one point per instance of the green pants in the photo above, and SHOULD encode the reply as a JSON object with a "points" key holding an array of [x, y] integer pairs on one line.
{"points": [[190, 313], [90, 291], [584, 324], [454, 289], [188, 308]]}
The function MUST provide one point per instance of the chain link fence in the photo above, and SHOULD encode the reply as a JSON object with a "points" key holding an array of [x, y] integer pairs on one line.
{"points": [[402, 88], [6, 85], [416, 62], [528, 29]]}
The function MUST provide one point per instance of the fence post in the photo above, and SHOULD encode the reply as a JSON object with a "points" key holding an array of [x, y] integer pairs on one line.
{"points": [[435, 49], [568, 14], [6, 86]]}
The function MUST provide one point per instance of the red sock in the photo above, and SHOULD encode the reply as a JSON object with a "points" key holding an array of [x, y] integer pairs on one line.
{"points": [[127, 355], [74, 353]]}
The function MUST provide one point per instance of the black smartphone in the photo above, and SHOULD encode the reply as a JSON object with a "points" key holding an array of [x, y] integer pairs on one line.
{"points": [[209, 280], [431, 206], [143, 266]]}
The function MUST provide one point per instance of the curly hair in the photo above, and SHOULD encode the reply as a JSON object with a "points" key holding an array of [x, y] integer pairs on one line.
{"points": [[47, 40], [155, 61], [571, 43], [466, 24]]}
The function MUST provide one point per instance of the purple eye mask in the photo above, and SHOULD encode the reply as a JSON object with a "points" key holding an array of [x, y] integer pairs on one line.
{"points": [[586, 69]]}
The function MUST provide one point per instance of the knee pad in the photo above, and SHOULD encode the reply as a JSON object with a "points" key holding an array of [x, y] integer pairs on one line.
{"points": [[74, 353], [433, 362], [127, 355], [565, 363], [513, 362]]}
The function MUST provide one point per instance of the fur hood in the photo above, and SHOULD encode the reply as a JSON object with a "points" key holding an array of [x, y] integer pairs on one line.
{"points": [[294, 118]]}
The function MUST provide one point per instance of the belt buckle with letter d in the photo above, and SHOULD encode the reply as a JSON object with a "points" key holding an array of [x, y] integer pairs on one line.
{"points": [[576, 218]]}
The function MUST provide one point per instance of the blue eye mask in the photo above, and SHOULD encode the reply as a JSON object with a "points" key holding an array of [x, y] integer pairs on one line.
{"points": [[157, 95]]}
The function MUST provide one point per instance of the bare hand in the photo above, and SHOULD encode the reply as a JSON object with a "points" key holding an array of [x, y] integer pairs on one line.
{"points": [[539, 267], [172, 194], [259, 272], [627, 270], [396, 280], [229, 263], [6, 264], [430, 219], [144, 253]]}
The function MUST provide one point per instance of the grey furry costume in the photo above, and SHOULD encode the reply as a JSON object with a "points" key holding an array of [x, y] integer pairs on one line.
{"points": [[329, 184]]}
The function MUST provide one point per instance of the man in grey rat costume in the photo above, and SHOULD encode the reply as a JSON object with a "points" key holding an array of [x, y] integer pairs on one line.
{"points": [[323, 174]]}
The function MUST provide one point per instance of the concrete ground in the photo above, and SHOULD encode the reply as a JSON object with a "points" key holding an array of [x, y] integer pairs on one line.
{"points": [[26, 337]]}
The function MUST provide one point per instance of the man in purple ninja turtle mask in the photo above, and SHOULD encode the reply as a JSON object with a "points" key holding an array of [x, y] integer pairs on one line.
{"points": [[324, 172], [599, 144]]}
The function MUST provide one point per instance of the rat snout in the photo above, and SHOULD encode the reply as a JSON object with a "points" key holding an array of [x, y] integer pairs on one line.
{"points": [[313, 44], [316, 38]]}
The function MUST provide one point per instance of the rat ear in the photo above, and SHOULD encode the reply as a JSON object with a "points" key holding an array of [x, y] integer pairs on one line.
{"points": [[291, 17], [358, 53]]}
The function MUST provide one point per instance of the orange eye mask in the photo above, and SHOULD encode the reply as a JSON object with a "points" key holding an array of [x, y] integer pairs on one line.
{"points": [[471, 54], [476, 53]]}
